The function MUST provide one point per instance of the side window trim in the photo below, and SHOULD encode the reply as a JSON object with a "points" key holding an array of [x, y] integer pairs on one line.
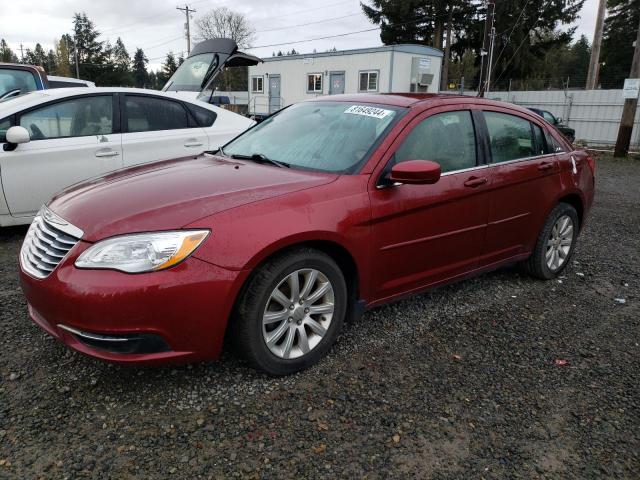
{"points": [[18, 116], [545, 133]]}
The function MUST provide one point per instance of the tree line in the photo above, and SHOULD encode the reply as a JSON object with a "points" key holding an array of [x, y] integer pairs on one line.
{"points": [[101, 62], [534, 48], [531, 50]]}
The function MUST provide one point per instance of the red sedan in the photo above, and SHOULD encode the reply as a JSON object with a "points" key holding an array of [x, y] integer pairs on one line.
{"points": [[323, 210]]}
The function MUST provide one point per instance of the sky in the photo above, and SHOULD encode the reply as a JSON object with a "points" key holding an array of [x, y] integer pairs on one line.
{"points": [[157, 27]]}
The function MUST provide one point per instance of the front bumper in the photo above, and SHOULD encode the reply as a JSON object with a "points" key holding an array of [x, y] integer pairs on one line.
{"points": [[173, 316]]}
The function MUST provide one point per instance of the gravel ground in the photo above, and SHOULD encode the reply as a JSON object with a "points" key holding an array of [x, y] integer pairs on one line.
{"points": [[498, 376]]}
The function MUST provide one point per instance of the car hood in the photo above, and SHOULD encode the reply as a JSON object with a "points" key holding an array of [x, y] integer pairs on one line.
{"points": [[169, 195]]}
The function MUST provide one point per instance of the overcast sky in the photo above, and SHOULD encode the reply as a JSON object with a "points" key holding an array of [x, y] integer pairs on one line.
{"points": [[157, 27]]}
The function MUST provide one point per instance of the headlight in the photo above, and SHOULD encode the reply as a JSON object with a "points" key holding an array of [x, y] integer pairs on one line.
{"points": [[142, 252]]}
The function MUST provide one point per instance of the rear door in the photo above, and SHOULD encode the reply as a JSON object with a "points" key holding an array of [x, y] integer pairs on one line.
{"points": [[157, 128], [525, 183], [71, 140]]}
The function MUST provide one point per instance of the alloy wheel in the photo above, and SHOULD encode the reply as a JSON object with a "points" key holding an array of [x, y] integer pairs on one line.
{"points": [[559, 243], [298, 313]]}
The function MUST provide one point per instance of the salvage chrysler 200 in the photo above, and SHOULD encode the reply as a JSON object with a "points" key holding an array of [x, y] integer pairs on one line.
{"points": [[325, 209]]}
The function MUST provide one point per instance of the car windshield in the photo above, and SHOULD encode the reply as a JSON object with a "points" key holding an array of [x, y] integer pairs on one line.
{"points": [[16, 80], [325, 136], [188, 77]]}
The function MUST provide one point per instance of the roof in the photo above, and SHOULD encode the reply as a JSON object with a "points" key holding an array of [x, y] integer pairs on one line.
{"points": [[412, 48], [36, 97], [408, 100]]}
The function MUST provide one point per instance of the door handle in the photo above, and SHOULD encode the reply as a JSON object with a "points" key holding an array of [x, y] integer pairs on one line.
{"points": [[474, 182], [107, 153], [193, 143], [545, 166]]}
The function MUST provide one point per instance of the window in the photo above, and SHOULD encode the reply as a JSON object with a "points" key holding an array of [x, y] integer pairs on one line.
{"points": [[63, 84], [446, 138], [149, 114], [540, 143], [257, 85], [78, 117], [314, 83], [11, 80], [510, 136], [324, 136], [204, 117], [369, 81], [5, 124], [549, 117], [191, 74], [554, 146]]}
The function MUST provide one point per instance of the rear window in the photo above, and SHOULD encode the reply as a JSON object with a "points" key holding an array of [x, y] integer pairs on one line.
{"points": [[204, 117], [12, 80], [62, 84]]}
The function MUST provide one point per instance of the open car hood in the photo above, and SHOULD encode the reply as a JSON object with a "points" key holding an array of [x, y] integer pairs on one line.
{"points": [[205, 62]]}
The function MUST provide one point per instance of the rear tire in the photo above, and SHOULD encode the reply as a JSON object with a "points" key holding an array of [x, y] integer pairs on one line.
{"points": [[555, 244], [290, 312]]}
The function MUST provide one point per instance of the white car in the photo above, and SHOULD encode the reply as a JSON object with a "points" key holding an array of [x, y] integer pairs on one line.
{"points": [[55, 138]]}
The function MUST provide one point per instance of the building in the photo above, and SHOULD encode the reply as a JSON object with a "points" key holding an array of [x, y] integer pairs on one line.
{"points": [[281, 81]]}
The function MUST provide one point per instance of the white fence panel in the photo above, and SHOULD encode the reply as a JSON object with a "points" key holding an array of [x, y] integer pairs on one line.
{"points": [[595, 114]]}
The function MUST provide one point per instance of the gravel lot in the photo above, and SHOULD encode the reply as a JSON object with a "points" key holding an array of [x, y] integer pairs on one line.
{"points": [[468, 381]]}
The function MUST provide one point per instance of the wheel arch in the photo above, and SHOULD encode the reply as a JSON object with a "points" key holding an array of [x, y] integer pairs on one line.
{"points": [[334, 249], [575, 200]]}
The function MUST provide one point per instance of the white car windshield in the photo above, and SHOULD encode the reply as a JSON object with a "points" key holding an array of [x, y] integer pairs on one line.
{"points": [[325, 136]]}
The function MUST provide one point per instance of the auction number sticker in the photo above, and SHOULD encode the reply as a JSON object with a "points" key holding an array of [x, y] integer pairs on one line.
{"points": [[368, 111]]}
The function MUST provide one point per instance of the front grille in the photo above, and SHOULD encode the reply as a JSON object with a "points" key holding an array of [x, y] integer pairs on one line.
{"points": [[47, 242]]}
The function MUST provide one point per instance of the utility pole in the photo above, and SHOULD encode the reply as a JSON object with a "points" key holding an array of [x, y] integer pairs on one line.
{"points": [[75, 54], [630, 105], [187, 11], [21, 54], [594, 61], [485, 69]]}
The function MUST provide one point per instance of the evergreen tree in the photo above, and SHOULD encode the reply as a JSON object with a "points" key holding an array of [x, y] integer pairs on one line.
{"points": [[168, 67], [526, 31], [6, 54], [91, 55], [37, 56], [140, 75], [620, 29]]}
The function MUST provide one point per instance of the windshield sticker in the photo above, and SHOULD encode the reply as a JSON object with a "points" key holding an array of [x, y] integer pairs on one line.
{"points": [[368, 111]]}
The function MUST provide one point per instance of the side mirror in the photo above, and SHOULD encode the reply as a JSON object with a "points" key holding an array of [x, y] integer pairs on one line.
{"points": [[18, 135], [558, 120], [416, 172]]}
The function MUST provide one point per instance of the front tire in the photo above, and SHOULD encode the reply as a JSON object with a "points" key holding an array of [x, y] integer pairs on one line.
{"points": [[555, 244], [291, 312]]}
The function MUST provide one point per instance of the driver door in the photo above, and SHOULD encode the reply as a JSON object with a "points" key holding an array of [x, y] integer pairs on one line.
{"points": [[427, 234], [71, 140]]}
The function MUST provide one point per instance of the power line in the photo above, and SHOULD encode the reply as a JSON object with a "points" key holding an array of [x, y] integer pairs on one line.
{"points": [[518, 49], [309, 23], [511, 33], [416, 20]]}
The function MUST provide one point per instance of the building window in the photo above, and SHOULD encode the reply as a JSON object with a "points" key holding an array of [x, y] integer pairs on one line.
{"points": [[369, 81], [314, 83], [257, 85]]}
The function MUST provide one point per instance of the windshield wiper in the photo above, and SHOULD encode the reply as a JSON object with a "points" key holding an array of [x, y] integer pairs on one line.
{"points": [[259, 157]]}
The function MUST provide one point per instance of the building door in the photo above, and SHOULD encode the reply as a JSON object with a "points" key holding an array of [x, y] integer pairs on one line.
{"points": [[336, 85], [275, 100]]}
